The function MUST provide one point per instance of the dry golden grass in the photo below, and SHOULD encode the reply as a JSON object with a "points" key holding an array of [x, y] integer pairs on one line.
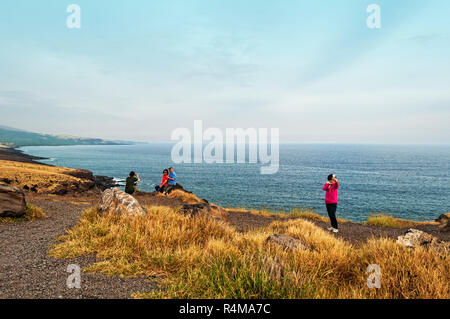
{"points": [[305, 213], [259, 212], [186, 197], [45, 178], [392, 222], [203, 258], [32, 213]]}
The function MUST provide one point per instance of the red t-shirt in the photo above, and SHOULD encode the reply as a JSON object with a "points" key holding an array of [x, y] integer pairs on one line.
{"points": [[164, 180]]}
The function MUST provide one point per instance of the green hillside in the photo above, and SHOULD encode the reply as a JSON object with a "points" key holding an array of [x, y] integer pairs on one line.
{"points": [[14, 137]]}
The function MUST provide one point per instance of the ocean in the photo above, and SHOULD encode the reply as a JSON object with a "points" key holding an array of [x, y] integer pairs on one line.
{"points": [[406, 181]]}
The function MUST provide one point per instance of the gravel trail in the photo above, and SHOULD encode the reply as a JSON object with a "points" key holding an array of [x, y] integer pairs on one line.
{"points": [[27, 271]]}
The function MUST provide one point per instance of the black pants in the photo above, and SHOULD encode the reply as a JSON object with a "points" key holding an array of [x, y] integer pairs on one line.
{"points": [[160, 189], [331, 209]]}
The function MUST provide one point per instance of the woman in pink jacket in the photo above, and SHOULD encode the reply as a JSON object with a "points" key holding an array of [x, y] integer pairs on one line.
{"points": [[331, 200]]}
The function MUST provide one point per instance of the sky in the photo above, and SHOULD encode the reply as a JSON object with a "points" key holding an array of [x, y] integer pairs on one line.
{"points": [[137, 70]]}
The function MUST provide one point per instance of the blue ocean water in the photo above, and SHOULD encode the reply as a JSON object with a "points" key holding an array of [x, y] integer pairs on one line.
{"points": [[407, 181]]}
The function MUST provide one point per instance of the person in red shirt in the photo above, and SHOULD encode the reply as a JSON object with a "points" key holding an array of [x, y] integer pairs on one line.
{"points": [[331, 200], [165, 178]]}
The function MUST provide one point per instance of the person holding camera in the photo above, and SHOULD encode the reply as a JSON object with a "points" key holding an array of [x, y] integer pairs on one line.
{"points": [[131, 183], [331, 200]]}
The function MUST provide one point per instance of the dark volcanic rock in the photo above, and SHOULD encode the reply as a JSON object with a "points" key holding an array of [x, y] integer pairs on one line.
{"points": [[444, 219], [6, 180], [82, 174], [194, 209], [445, 228], [105, 182], [177, 187], [205, 209], [12, 201], [12, 154]]}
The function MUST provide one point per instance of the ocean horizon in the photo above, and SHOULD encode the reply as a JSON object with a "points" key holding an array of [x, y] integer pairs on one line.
{"points": [[403, 180]]}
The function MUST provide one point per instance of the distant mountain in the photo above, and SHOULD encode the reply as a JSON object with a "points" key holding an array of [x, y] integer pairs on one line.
{"points": [[15, 137]]}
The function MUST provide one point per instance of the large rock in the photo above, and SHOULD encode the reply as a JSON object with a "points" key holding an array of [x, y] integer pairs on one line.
{"points": [[444, 219], [114, 200], [287, 242], [416, 238], [105, 182], [205, 209], [177, 187], [81, 174], [12, 201], [445, 228]]}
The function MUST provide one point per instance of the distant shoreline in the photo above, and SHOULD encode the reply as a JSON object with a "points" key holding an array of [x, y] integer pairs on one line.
{"points": [[16, 155]]}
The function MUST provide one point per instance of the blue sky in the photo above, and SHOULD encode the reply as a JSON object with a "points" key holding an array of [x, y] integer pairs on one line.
{"points": [[139, 69]]}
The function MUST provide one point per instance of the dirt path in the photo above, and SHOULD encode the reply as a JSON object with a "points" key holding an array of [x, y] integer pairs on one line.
{"points": [[26, 270], [352, 232]]}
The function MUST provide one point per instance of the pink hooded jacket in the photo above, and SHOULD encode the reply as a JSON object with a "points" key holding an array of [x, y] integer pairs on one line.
{"points": [[331, 195]]}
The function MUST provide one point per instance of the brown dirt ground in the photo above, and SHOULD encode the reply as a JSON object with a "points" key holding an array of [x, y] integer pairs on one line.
{"points": [[27, 271], [352, 232]]}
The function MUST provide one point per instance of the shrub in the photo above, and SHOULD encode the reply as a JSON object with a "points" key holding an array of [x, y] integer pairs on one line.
{"points": [[390, 221], [32, 212]]}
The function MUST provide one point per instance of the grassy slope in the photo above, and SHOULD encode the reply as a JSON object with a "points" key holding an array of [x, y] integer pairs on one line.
{"points": [[46, 178], [204, 258]]}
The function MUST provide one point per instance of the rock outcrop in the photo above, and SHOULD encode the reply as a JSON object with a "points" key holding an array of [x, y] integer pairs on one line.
{"points": [[177, 187], [205, 209], [287, 242], [12, 201], [444, 219], [114, 200], [445, 228], [101, 182], [105, 182], [81, 174], [416, 238]]}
